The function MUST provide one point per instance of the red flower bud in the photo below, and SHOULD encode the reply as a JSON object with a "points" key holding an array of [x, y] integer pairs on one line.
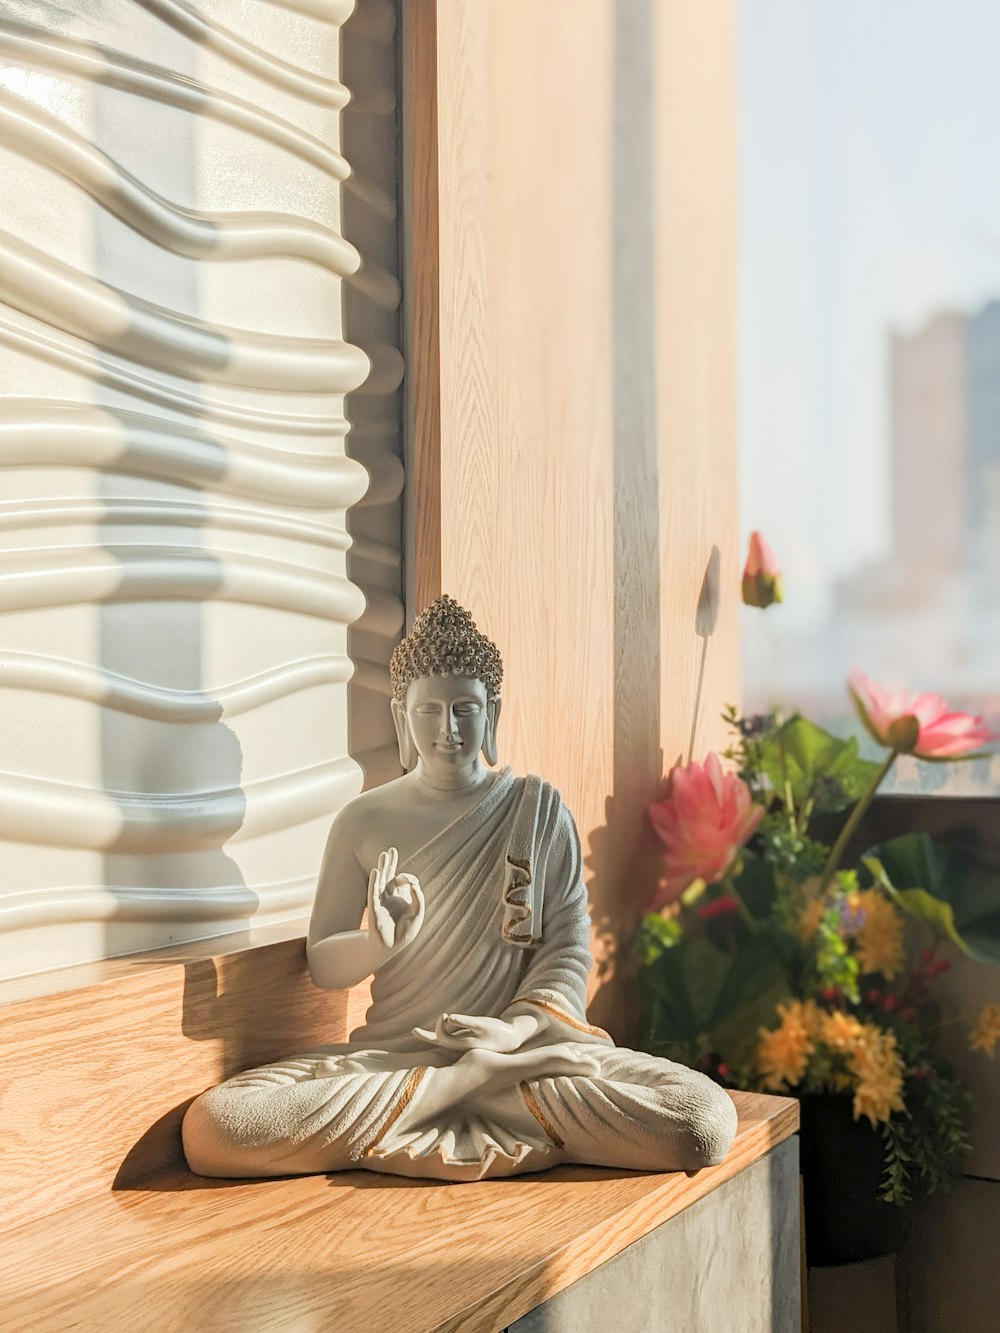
{"points": [[909, 1015], [762, 583], [889, 1003], [920, 1073], [832, 994], [723, 906], [873, 996], [723, 1070], [927, 956], [942, 965]]}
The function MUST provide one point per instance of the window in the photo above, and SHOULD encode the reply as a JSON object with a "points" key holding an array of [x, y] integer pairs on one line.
{"points": [[870, 356]]}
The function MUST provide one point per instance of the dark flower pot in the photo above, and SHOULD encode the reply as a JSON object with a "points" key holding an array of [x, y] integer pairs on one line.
{"points": [[842, 1166]]}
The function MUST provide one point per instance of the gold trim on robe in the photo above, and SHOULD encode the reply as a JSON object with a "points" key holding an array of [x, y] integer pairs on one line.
{"points": [[531, 1102], [409, 1091], [562, 1015], [516, 898]]}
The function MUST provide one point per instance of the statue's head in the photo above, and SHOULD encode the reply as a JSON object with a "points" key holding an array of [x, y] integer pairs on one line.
{"points": [[446, 679]]}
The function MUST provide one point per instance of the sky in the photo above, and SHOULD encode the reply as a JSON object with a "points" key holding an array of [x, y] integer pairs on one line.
{"points": [[870, 200]]}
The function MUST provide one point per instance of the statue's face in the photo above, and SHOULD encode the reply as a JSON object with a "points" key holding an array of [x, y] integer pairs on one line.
{"points": [[447, 720]]}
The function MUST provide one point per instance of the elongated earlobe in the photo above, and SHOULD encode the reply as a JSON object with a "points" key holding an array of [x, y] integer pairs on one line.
{"points": [[490, 751], [407, 750]]}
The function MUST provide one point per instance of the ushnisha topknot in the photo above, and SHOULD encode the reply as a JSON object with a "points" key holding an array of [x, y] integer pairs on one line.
{"points": [[444, 641]]}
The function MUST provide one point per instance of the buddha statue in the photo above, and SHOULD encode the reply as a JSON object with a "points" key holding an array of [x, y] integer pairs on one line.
{"points": [[458, 888]]}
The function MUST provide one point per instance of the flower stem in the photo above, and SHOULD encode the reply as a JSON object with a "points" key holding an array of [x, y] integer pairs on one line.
{"points": [[852, 822], [785, 784], [697, 698], [745, 914]]}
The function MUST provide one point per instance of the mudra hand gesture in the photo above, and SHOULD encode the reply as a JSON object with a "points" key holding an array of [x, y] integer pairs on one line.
{"points": [[395, 903], [467, 1032]]}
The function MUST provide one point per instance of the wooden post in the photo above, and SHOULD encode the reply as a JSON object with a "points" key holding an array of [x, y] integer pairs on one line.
{"points": [[571, 313]]}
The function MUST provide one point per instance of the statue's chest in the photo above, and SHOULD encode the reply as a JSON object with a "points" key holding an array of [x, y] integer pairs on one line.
{"points": [[410, 828], [407, 833]]}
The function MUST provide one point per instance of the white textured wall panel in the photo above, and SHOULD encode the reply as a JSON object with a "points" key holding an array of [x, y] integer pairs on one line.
{"points": [[184, 314]]}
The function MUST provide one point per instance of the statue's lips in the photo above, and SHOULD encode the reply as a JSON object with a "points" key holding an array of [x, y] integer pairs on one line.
{"points": [[448, 749]]}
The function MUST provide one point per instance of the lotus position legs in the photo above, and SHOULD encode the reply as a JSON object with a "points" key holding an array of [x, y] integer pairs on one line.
{"points": [[476, 1058]]}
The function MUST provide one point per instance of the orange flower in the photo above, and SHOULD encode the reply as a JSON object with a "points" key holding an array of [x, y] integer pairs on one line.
{"points": [[878, 1067], [810, 917], [987, 1030], [880, 936], [839, 1030], [783, 1054]]}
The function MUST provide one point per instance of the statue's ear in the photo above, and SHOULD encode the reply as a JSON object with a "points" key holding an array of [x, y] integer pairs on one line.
{"points": [[490, 751], [407, 750]]}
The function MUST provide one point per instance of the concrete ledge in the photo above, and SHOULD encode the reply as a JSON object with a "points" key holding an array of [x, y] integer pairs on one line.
{"points": [[730, 1261]]}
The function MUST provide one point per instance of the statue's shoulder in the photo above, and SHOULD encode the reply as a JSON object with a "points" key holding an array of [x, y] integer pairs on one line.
{"points": [[384, 799], [550, 798]]}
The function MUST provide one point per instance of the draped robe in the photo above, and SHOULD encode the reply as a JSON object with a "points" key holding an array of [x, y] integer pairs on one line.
{"points": [[506, 931]]}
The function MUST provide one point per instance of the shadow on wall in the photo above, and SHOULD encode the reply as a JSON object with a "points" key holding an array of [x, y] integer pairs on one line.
{"points": [[169, 762], [622, 857], [370, 141]]}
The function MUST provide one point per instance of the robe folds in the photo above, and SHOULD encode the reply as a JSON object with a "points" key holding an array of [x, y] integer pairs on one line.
{"points": [[506, 930]]}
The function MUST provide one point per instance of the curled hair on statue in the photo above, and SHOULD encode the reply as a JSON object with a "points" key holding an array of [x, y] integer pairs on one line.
{"points": [[444, 641]]}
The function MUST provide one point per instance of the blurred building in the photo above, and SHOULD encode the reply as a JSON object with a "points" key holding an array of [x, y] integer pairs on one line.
{"points": [[928, 613]]}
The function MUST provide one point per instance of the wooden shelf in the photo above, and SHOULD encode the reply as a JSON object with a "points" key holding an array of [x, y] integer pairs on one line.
{"points": [[99, 1062], [353, 1252], [102, 1228]]}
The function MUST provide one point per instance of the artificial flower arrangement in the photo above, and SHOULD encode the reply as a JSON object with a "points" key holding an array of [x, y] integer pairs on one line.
{"points": [[773, 964]]}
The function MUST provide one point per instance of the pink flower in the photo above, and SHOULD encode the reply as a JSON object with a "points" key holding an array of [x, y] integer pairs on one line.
{"points": [[704, 820], [762, 582], [919, 724]]}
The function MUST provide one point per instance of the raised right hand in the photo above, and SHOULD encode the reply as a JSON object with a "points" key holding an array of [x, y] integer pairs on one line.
{"points": [[395, 903]]}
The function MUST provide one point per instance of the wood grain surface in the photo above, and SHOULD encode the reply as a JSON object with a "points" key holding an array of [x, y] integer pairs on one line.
{"points": [[579, 333], [95, 1076], [421, 274], [354, 1253]]}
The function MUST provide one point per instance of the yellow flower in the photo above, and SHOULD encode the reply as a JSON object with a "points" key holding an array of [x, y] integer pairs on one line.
{"points": [[782, 1054], [987, 1030], [880, 939], [810, 917], [839, 1030], [878, 1067]]}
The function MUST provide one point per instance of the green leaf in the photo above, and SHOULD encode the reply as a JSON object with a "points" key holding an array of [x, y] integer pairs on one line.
{"points": [[817, 765], [693, 892], [957, 899], [977, 912], [697, 988], [656, 934], [756, 884], [666, 1003], [703, 968], [736, 1033], [933, 912], [756, 971]]}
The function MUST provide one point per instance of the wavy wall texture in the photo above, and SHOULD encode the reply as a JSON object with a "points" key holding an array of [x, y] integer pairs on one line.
{"points": [[200, 578]]}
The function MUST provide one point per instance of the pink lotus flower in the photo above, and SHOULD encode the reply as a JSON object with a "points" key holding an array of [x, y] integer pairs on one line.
{"points": [[918, 724], [704, 820], [762, 582]]}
